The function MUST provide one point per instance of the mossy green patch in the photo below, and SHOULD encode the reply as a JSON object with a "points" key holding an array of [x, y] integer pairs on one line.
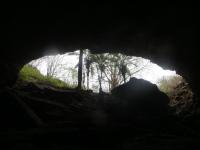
{"points": [[31, 74]]}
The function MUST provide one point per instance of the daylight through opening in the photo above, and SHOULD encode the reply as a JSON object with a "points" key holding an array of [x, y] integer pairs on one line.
{"points": [[103, 72]]}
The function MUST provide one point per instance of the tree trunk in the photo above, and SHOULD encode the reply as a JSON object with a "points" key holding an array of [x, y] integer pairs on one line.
{"points": [[83, 80], [124, 77], [80, 69], [88, 79], [100, 87], [100, 82]]}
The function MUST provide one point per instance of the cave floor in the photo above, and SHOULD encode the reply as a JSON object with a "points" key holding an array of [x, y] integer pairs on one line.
{"points": [[66, 138], [75, 120]]}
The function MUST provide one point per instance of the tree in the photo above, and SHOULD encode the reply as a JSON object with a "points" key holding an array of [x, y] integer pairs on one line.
{"points": [[112, 70], [88, 63], [98, 61], [53, 64], [115, 69], [36, 63], [69, 75], [123, 70], [109, 70], [80, 69], [123, 66]]}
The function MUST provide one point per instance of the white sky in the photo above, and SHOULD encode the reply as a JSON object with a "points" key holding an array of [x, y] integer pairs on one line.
{"points": [[154, 73], [151, 73]]}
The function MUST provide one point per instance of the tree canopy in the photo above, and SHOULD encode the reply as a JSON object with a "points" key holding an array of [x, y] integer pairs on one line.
{"points": [[99, 72]]}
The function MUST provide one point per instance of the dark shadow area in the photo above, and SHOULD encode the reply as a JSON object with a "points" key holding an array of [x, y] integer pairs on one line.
{"points": [[41, 116], [136, 115]]}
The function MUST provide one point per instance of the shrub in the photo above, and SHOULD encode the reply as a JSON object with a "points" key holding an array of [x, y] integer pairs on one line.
{"points": [[167, 84], [31, 74], [179, 92]]}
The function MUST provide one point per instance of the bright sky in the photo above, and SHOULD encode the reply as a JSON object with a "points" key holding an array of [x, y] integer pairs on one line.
{"points": [[151, 73], [154, 73]]}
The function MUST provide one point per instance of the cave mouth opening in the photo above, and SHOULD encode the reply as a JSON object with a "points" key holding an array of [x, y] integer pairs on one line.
{"points": [[102, 72]]}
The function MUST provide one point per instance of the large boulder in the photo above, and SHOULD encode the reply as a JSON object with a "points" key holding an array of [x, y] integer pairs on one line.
{"points": [[140, 97]]}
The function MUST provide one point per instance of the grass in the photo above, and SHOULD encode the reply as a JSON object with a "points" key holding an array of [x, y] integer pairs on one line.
{"points": [[31, 74]]}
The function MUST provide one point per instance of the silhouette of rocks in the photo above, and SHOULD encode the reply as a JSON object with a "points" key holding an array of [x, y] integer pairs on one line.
{"points": [[139, 98]]}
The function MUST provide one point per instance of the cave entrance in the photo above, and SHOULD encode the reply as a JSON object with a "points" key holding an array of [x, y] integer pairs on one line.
{"points": [[103, 72]]}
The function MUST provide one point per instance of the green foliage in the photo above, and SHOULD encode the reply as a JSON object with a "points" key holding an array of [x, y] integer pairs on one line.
{"points": [[112, 68], [168, 84], [31, 74], [179, 93]]}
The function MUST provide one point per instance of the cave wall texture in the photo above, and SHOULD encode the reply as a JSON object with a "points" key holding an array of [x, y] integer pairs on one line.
{"points": [[165, 35]]}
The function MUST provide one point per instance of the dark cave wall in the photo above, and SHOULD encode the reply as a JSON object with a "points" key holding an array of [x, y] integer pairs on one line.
{"points": [[166, 36]]}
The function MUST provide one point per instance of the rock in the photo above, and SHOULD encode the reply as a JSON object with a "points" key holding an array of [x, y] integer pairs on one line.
{"points": [[13, 113], [181, 99], [141, 97]]}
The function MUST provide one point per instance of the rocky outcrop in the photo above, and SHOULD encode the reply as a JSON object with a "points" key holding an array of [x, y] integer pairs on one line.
{"points": [[41, 105], [181, 99], [140, 97]]}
